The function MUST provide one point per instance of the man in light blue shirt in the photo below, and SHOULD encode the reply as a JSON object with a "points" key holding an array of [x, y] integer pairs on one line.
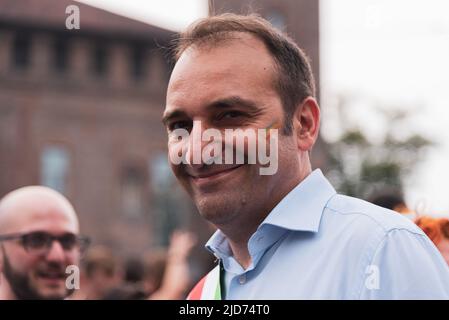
{"points": [[287, 234], [317, 244]]}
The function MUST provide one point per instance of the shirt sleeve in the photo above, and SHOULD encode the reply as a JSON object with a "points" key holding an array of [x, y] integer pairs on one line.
{"points": [[406, 265]]}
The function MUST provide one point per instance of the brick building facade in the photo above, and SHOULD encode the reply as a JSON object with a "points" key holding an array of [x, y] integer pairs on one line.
{"points": [[80, 111]]}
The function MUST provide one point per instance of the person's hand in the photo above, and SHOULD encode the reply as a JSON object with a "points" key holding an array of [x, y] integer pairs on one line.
{"points": [[176, 276], [181, 243]]}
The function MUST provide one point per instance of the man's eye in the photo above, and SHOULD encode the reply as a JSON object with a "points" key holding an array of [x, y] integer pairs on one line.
{"points": [[68, 241], [230, 115], [36, 240], [180, 125]]}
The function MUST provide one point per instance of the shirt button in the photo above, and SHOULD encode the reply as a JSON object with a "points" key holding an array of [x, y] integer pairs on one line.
{"points": [[242, 279]]}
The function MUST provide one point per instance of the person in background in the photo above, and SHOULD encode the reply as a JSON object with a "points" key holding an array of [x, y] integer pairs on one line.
{"points": [[160, 275], [134, 270], [393, 200], [154, 263], [437, 229], [39, 239], [176, 276], [131, 286], [101, 273]]}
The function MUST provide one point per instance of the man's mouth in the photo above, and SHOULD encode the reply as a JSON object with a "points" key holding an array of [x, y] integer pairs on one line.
{"points": [[51, 275], [213, 174]]}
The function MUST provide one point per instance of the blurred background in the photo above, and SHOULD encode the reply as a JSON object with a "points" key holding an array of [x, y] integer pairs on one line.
{"points": [[80, 109]]}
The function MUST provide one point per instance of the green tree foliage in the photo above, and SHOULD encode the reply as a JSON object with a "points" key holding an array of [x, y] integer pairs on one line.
{"points": [[359, 167]]}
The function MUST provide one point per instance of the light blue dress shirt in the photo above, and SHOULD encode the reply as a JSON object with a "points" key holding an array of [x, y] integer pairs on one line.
{"points": [[317, 244]]}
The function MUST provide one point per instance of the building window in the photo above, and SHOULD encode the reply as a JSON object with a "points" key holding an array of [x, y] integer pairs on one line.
{"points": [[169, 207], [61, 53], [100, 61], [161, 174], [132, 192], [55, 168], [137, 63], [21, 51]]}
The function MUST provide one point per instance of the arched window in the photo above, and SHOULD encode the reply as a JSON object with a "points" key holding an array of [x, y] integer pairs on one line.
{"points": [[133, 192], [21, 48], [169, 207], [137, 62], [100, 59], [60, 55]]}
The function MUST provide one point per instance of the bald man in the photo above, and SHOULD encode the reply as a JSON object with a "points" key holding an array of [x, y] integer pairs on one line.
{"points": [[39, 239]]}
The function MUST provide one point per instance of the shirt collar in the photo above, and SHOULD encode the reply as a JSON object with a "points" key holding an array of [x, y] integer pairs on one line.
{"points": [[300, 210]]}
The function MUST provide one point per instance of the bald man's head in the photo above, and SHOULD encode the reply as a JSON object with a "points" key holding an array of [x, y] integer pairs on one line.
{"points": [[30, 208], [39, 239]]}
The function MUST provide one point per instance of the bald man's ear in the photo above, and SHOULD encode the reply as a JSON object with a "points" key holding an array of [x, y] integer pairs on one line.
{"points": [[306, 123]]}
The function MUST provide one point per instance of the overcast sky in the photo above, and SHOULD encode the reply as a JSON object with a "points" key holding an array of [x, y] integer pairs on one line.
{"points": [[397, 53], [169, 14], [393, 52]]}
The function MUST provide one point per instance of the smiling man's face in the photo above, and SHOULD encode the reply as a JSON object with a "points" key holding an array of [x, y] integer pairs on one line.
{"points": [[30, 273], [229, 86]]}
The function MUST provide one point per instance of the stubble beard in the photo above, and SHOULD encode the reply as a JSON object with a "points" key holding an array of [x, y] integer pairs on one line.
{"points": [[21, 284]]}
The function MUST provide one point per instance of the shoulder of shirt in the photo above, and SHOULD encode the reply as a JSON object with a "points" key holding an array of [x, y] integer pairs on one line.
{"points": [[369, 215]]}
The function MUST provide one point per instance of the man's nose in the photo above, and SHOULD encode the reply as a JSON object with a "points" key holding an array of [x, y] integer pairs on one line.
{"points": [[196, 143], [56, 252]]}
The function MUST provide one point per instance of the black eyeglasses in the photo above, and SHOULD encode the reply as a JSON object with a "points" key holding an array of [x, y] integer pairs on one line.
{"points": [[39, 242]]}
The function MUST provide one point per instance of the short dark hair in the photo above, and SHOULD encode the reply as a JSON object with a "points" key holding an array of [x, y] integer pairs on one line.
{"points": [[388, 200], [294, 81], [101, 259]]}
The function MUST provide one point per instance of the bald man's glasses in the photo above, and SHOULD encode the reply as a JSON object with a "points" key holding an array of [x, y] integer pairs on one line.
{"points": [[40, 242]]}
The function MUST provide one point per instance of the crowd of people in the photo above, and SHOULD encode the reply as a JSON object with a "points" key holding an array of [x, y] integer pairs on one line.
{"points": [[160, 274]]}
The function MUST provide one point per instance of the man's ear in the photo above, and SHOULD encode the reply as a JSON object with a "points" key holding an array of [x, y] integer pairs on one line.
{"points": [[306, 123]]}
